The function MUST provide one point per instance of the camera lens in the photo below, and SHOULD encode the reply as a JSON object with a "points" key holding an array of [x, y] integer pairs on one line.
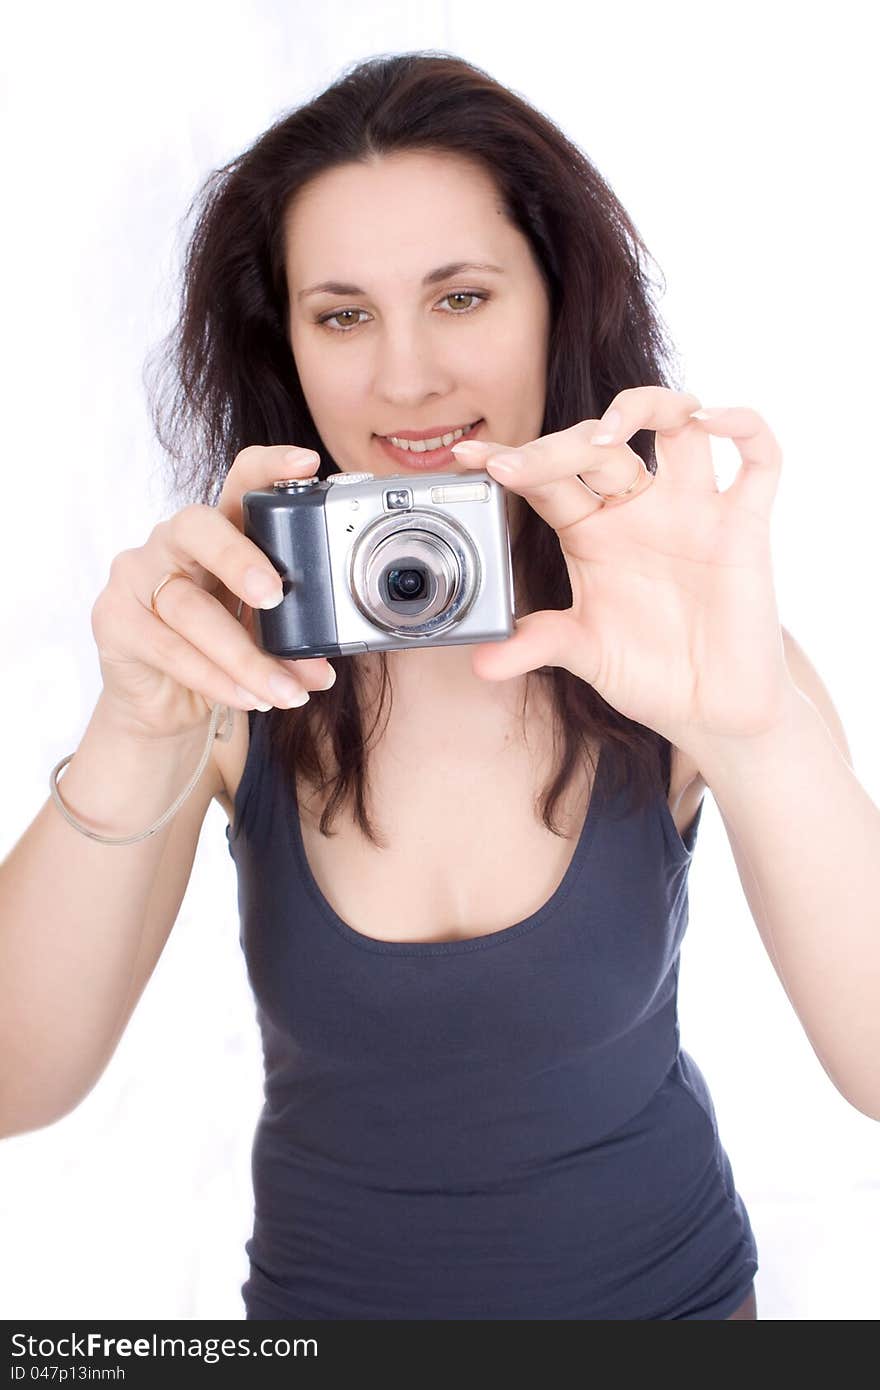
{"points": [[414, 575], [406, 584]]}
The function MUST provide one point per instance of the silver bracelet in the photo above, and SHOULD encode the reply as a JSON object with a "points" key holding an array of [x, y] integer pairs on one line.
{"points": [[224, 733]]}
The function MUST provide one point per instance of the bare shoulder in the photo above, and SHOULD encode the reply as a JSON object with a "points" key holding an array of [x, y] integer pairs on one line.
{"points": [[686, 789], [229, 760], [684, 772]]}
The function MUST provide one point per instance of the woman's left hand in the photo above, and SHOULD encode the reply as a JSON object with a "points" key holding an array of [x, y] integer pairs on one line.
{"points": [[673, 618]]}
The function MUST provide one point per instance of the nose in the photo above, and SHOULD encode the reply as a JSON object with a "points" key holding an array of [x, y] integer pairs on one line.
{"points": [[409, 365]]}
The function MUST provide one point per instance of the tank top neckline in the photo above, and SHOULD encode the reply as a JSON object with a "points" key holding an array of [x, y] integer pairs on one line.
{"points": [[448, 948]]}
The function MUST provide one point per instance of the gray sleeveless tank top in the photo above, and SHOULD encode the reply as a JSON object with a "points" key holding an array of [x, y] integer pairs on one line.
{"points": [[497, 1128]]}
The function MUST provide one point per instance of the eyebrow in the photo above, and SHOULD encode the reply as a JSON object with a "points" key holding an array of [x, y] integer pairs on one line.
{"points": [[433, 277]]}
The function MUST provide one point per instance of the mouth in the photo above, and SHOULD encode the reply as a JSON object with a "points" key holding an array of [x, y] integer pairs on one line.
{"points": [[419, 459]]}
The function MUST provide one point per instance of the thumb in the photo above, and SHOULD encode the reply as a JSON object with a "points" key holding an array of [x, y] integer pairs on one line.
{"points": [[540, 639]]}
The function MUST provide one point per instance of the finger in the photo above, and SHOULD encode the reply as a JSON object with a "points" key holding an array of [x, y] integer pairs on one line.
{"points": [[656, 408], [755, 486], [684, 459], [200, 541], [258, 466], [544, 472], [208, 547], [540, 639], [684, 456], [561, 503], [202, 647]]}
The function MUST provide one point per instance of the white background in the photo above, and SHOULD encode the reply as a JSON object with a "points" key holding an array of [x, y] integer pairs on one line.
{"points": [[741, 139]]}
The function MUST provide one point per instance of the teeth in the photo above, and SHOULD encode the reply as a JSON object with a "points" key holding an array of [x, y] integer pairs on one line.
{"points": [[419, 446]]}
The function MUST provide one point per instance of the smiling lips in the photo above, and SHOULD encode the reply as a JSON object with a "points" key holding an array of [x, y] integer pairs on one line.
{"points": [[420, 457], [435, 436]]}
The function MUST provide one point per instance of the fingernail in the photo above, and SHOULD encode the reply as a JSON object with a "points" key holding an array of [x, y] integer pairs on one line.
{"points": [[301, 456], [471, 449], [331, 680], [287, 690], [249, 698], [260, 589], [502, 463], [705, 414], [607, 428]]}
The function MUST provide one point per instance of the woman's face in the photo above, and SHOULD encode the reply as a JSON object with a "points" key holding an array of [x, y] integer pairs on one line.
{"points": [[385, 353]]}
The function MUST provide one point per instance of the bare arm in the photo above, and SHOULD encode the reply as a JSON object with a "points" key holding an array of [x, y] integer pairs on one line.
{"points": [[73, 913], [82, 924]]}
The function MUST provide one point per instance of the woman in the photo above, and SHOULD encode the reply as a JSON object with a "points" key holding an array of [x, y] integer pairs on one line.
{"points": [[476, 1101]]}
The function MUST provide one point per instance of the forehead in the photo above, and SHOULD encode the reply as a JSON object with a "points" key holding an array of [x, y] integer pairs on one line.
{"points": [[406, 212]]}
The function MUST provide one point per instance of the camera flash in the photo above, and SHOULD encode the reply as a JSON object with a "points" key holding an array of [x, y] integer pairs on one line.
{"points": [[461, 492]]}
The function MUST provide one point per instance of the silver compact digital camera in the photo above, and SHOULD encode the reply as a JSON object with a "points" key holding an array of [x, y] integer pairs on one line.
{"points": [[372, 563]]}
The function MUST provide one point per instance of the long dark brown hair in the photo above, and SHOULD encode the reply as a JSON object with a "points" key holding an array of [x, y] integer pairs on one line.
{"points": [[231, 379]]}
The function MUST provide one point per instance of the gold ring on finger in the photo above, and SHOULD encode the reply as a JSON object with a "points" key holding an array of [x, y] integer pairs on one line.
{"points": [[172, 574], [624, 492]]}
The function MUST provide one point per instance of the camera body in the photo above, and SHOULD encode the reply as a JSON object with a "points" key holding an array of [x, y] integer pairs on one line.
{"points": [[371, 563]]}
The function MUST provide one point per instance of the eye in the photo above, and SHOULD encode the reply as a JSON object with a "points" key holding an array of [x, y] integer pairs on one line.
{"points": [[326, 319], [465, 294]]}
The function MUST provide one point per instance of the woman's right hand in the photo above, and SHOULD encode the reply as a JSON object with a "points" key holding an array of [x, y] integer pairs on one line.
{"points": [[162, 675]]}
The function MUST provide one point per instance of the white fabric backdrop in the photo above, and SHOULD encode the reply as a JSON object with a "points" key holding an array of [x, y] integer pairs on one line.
{"points": [[740, 138]]}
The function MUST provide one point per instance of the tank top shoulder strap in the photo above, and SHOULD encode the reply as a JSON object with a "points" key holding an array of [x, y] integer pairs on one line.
{"points": [[253, 785], [681, 846], [652, 820]]}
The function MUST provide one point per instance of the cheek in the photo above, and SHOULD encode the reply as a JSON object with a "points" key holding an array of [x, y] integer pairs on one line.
{"points": [[524, 378], [518, 353], [328, 383], [481, 368]]}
